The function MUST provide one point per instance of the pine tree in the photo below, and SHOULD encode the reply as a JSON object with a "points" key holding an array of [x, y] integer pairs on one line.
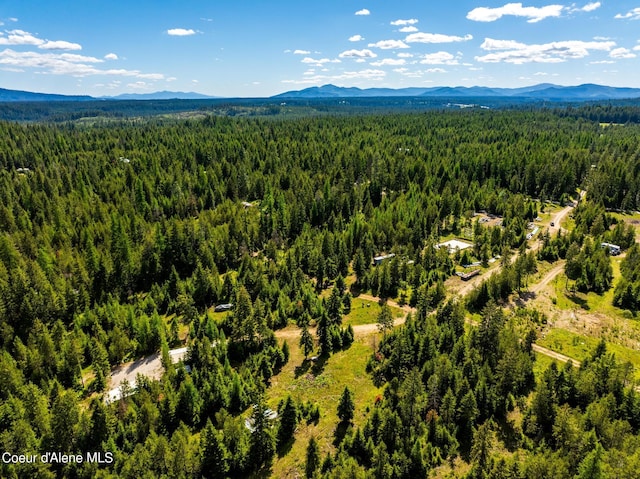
{"points": [[288, 421], [313, 458], [385, 319], [214, 462], [306, 341], [346, 406]]}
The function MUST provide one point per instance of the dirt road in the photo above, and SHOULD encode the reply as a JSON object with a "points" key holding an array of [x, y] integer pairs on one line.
{"points": [[552, 354], [150, 366]]}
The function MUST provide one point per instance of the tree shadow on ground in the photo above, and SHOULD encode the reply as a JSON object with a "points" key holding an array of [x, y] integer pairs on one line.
{"points": [[319, 364], [303, 368], [341, 431], [575, 299]]}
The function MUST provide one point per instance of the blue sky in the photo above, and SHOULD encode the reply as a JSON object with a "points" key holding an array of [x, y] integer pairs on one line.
{"points": [[257, 48]]}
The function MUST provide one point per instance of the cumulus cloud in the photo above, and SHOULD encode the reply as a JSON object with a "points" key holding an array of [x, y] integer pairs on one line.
{"points": [[20, 37], [534, 14], [301, 52], [364, 11], [630, 15], [590, 7], [435, 70], [411, 21], [510, 51], [59, 45], [358, 54], [111, 56], [389, 44], [65, 64], [435, 38], [439, 58], [356, 38], [181, 32], [409, 29], [621, 53], [405, 55], [319, 61], [389, 61]]}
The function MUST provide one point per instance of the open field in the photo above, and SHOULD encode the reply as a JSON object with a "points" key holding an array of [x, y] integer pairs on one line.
{"points": [[322, 383]]}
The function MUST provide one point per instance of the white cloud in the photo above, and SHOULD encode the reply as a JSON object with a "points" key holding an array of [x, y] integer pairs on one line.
{"points": [[389, 61], [368, 74], [492, 44], [181, 32], [534, 14], [358, 54], [319, 61], [435, 38], [435, 70], [621, 53], [409, 29], [439, 58], [301, 52], [364, 11], [602, 62], [590, 7], [405, 55], [636, 48], [60, 45], [356, 38], [111, 56], [20, 37], [139, 85], [540, 74], [65, 64], [631, 14], [509, 51], [389, 44], [411, 21]]}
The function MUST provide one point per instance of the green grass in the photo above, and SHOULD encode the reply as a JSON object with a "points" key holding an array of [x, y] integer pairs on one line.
{"points": [[323, 387], [580, 347], [541, 364], [364, 311]]}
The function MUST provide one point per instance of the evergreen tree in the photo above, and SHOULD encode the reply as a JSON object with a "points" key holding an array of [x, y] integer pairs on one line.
{"points": [[313, 458], [306, 341], [214, 462], [346, 406]]}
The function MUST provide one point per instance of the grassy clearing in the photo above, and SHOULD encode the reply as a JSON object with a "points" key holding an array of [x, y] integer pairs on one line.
{"points": [[322, 384], [364, 311], [581, 347], [541, 364], [592, 302]]}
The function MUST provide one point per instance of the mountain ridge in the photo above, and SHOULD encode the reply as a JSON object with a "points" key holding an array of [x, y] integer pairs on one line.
{"points": [[542, 91]]}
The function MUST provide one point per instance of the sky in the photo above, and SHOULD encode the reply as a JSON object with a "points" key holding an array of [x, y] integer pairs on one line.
{"points": [[251, 48]]}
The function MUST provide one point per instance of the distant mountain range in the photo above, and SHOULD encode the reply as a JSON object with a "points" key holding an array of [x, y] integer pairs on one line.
{"points": [[17, 95], [543, 91]]}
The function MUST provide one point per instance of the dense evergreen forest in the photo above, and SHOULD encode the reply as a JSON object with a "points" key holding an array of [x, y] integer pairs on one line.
{"points": [[117, 239]]}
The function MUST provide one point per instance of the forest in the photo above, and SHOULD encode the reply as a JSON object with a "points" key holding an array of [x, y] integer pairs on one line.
{"points": [[118, 239]]}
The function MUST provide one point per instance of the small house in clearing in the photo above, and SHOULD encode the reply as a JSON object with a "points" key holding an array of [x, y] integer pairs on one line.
{"points": [[453, 245], [614, 249], [379, 259]]}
